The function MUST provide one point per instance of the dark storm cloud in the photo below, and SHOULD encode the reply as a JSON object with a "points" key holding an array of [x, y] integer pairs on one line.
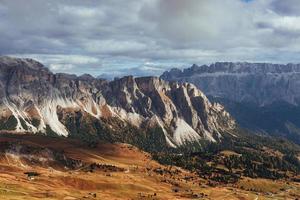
{"points": [[286, 7], [124, 36]]}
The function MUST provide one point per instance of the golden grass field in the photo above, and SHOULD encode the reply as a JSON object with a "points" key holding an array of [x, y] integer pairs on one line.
{"points": [[138, 180]]}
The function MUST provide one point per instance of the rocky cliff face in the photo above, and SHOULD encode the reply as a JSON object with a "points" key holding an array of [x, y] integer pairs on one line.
{"points": [[33, 99], [260, 96], [258, 83]]}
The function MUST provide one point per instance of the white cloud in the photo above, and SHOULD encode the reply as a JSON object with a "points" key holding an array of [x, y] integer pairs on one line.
{"points": [[80, 11], [287, 23], [61, 67], [99, 36], [74, 64], [113, 46], [194, 23]]}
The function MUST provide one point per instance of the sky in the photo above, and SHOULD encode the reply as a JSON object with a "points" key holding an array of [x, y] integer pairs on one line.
{"points": [[146, 37]]}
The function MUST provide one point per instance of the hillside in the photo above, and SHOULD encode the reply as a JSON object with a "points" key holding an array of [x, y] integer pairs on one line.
{"points": [[111, 171]]}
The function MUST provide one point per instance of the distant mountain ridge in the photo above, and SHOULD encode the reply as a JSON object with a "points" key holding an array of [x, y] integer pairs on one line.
{"points": [[259, 83], [33, 99], [261, 96]]}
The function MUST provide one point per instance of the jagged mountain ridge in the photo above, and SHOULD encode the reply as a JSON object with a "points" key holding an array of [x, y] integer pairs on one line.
{"points": [[258, 83], [33, 99], [262, 97]]}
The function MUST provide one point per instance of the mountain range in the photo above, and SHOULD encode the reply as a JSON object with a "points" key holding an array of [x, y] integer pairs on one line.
{"points": [[35, 100], [262, 97], [66, 133]]}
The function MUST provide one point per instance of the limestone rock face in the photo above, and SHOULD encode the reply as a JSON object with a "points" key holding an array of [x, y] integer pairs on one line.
{"points": [[258, 83], [43, 102], [261, 97]]}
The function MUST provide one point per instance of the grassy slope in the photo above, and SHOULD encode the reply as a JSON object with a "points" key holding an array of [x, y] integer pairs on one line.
{"points": [[142, 180]]}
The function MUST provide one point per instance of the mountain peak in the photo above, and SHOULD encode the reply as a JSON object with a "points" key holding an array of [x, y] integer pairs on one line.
{"points": [[86, 77], [21, 62], [62, 104]]}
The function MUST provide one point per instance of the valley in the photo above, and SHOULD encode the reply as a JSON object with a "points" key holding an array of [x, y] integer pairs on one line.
{"points": [[150, 100], [138, 177], [64, 136]]}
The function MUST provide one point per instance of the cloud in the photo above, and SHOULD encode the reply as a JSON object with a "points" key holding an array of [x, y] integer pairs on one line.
{"points": [[145, 69], [198, 23], [75, 64], [286, 7], [119, 37]]}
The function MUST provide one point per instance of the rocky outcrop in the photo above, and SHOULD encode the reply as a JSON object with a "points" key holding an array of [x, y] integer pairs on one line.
{"points": [[33, 99]]}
